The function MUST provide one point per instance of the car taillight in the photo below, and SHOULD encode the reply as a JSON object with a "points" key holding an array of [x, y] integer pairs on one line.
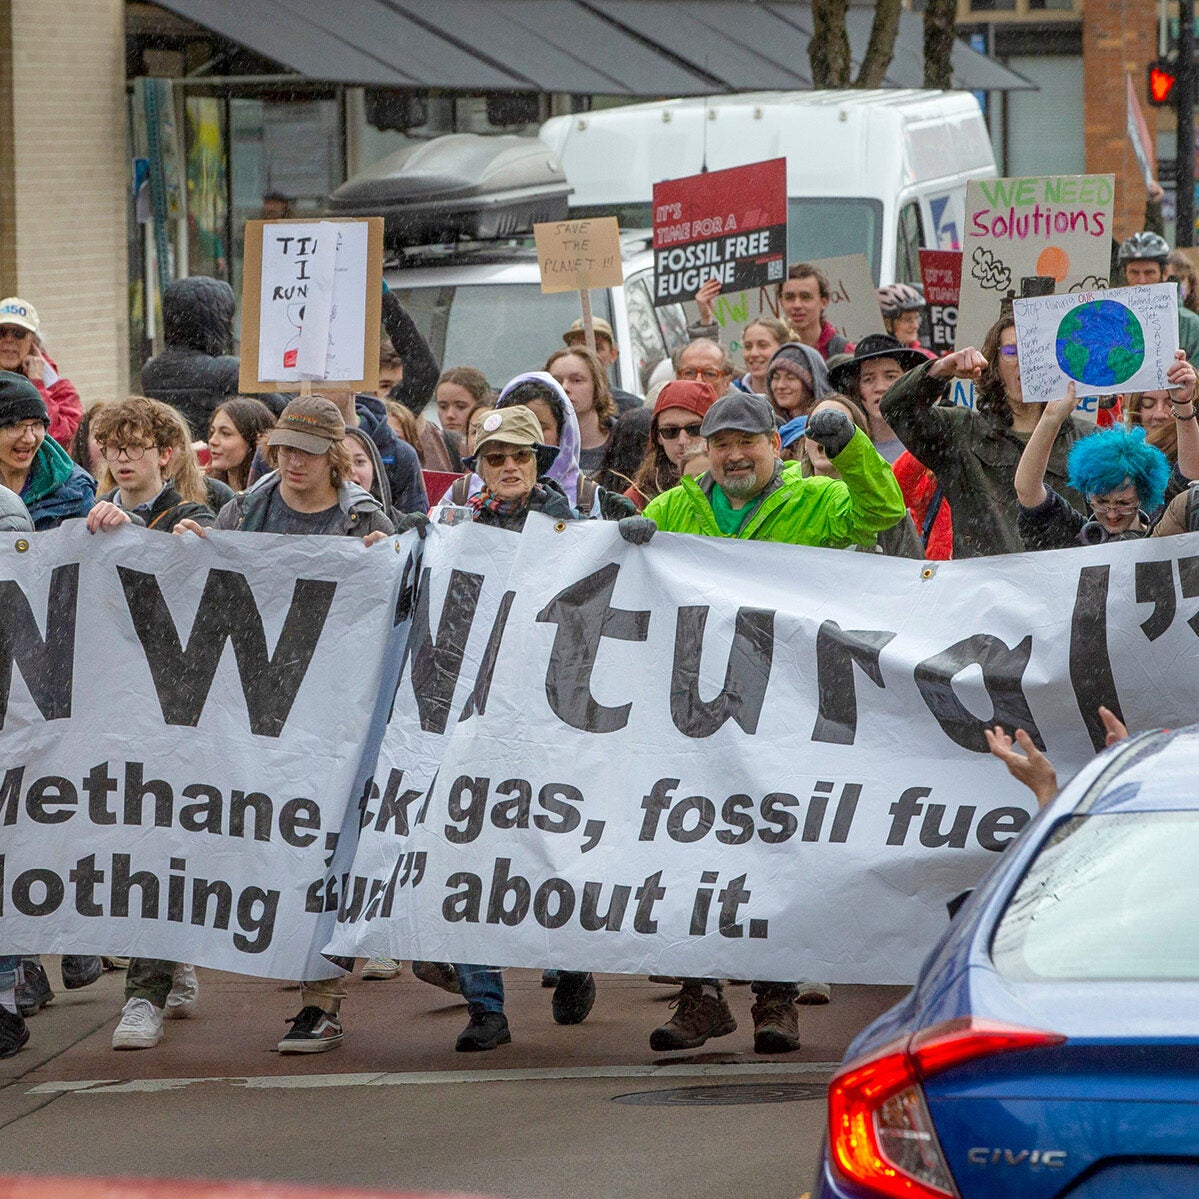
{"points": [[880, 1133]]}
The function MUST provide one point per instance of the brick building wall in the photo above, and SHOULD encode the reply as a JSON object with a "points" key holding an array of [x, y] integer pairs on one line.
{"points": [[1119, 36], [63, 182]]}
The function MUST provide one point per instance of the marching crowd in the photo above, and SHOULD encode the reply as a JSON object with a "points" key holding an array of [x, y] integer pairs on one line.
{"points": [[809, 440]]}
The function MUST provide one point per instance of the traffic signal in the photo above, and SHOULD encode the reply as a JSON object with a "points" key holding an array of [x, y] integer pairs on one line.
{"points": [[1162, 78]]}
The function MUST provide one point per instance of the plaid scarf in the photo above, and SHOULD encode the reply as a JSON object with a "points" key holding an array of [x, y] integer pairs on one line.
{"points": [[484, 501]]}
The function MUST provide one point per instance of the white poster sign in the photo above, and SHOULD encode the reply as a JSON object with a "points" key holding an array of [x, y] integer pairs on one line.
{"points": [[313, 275], [1119, 340], [1057, 227], [853, 305]]}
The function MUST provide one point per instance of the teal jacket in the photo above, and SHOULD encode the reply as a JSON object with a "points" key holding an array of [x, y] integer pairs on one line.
{"points": [[851, 510]]}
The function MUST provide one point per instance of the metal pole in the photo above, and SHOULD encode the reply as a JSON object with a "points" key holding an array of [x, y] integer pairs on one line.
{"points": [[1184, 90]]}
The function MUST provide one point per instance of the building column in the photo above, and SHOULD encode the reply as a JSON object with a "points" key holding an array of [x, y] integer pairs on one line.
{"points": [[1119, 36], [63, 182]]}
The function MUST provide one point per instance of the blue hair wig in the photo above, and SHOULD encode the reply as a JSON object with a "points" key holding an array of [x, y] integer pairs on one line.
{"points": [[1103, 461]]}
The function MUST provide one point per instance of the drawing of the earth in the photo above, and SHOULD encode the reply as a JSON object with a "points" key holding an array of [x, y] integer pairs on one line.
{"points": [[1100, 343]]}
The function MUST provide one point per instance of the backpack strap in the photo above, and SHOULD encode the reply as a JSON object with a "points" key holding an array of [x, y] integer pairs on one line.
{"points": [[587, 490], [1192, 513]]}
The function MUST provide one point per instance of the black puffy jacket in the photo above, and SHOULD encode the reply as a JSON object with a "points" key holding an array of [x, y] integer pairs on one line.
{"points": [[196, 373]]}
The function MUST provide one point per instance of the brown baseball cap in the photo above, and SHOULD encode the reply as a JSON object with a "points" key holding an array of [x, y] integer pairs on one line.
{"points": [[576, 334], [310, 423]]}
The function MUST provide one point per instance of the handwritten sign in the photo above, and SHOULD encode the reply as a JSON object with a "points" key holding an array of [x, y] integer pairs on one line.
{"points": [[311, 304], [1118, 340], [1059, 226], [853, 304], [941, 271], [728, 225], [578, 255]]}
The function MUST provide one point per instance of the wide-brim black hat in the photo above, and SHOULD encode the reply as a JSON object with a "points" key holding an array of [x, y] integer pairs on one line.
{"points": [[875, 345]]}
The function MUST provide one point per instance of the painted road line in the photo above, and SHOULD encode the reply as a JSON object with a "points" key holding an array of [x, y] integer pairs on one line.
{"points": [[298, 1082]]}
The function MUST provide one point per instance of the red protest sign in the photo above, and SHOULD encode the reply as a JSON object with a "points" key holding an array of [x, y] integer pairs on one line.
{"points": [[728, 225], [941, 271]]}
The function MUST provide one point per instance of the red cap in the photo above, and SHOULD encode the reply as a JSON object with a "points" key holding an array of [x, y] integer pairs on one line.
{"points": [[693, 394]]}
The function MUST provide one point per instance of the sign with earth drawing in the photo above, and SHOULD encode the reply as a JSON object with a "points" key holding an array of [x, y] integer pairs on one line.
{"points": [[1056, 226], [1119, 340]]}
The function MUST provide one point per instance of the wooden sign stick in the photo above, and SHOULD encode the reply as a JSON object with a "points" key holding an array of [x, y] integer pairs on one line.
{"points": [[588, 321]]}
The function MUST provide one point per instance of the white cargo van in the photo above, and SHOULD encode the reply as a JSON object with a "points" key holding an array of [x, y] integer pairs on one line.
{"points": [[878, 172]]}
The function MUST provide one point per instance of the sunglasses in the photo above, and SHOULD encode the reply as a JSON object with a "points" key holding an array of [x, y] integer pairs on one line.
{"points": [[497, 458], [670, 432], [13, 333], [1009, 351]]}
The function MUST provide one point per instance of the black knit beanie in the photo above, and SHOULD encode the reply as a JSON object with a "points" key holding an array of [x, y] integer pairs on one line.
{"points": [[20, 400]]}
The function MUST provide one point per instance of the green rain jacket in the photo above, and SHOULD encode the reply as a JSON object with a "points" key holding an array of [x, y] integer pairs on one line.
{"points": [[851, 510]]}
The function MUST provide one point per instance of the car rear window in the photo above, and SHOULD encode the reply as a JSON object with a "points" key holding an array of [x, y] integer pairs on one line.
{"points": [[1109, 897]]}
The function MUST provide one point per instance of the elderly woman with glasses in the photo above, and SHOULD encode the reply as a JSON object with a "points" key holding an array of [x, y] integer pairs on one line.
{"points": [[974, 452]]}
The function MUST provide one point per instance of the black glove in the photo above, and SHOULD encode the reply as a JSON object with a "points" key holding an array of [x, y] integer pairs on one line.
{"points": [[413, 520], [637, 530], [831, 429]]}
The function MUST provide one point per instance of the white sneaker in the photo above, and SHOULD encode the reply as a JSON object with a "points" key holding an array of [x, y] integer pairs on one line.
{"points": [[381, 968], [185, 991], [140, 1026]]}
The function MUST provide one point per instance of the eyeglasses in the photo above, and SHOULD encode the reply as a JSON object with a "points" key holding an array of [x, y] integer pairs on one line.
{"points": [[708, 375], [13, 333], [1011, 351], [133, 453], [497, 458], [670, 432], [1116, 507]]}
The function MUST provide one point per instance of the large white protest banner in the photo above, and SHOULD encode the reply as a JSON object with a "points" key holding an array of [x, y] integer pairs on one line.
{"points": [[708, 757], [1122, 339], [699, 756], [180, 745]]}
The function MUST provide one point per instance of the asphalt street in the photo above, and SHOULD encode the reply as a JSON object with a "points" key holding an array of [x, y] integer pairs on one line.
{"points": [[562, 1112]]}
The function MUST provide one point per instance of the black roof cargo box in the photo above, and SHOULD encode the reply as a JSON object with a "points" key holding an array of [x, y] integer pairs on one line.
{"points": [[461, 186]]}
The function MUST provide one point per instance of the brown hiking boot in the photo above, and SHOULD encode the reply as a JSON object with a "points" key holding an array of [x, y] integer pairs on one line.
{"points": [[697, 1017], [776, 1024]]}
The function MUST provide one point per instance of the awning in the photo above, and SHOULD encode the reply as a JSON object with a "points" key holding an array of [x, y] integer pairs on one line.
{"points": [[642, 48]]}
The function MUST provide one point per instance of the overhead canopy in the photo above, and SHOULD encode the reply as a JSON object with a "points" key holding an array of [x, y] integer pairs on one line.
{"points": [[641, 48]]}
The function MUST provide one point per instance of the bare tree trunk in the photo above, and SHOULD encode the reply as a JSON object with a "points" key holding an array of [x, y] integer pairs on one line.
{"points": [[828, 51], [882, 44], [938, 42]]}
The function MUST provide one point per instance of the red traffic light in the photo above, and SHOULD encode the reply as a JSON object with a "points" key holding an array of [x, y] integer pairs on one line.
{"points": [[1162, 78]]}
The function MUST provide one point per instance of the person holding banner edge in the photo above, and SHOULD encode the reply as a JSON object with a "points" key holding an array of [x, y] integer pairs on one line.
{"points": [[747, 493]]}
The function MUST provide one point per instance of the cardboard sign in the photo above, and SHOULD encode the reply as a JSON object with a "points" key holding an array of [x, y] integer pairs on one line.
{"points": [[852, 305], [941, 271], [1119, 340], [1139, 135], [312, 297], [727, 225], [1058, 226], [577, 255]]}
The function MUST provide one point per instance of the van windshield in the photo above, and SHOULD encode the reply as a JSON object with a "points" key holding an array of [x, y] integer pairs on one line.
{"points": [[817, 226], [503, 329]]}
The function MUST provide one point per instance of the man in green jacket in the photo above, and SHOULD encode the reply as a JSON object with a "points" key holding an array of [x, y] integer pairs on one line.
{"points": [[749, 494]]}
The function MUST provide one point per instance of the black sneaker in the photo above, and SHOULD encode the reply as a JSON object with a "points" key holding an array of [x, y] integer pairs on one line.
{"points": [[13, 1032], [313, 1031], [697, 1017], [437, 974], [33, 991], [486, 1030], [573, 997], [79, 970]]}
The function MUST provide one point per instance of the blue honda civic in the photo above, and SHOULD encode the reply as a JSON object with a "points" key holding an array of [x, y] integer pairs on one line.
{"points": [[1050, 1046]]}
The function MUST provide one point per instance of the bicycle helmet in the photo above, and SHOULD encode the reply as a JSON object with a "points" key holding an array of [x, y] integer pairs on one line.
{"points": [[1149, 247], [898, 298]]}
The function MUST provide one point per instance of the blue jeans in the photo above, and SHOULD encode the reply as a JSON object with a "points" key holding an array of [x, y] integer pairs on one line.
{"points": [[482, 987], [10, 971]]}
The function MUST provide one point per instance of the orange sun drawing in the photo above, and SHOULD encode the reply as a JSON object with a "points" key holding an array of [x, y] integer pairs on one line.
{"points": [[1055, 262]]}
